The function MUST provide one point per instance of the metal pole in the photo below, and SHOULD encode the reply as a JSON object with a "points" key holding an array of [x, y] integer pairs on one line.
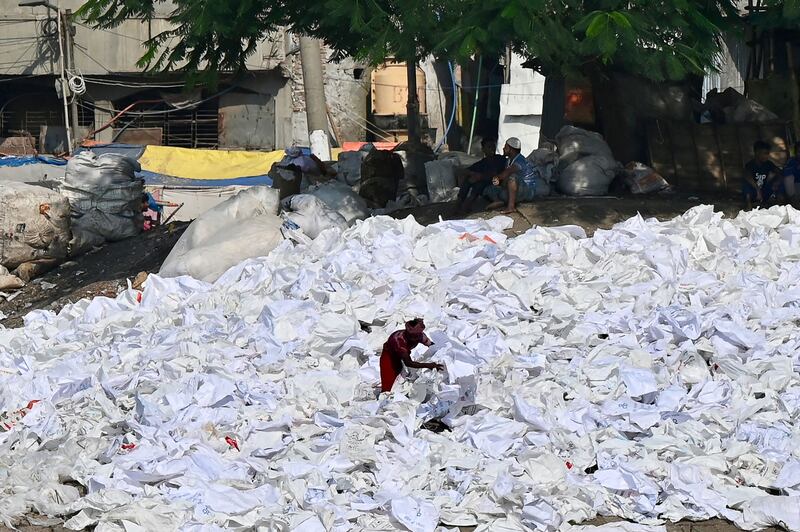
{"points": [[412, 107], [63, 78], [475, 105], [68, 36], [316, 110]]}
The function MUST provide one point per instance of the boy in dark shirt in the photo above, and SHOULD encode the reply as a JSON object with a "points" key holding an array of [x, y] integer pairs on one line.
{"points": [[761, 177], [480, 174]]}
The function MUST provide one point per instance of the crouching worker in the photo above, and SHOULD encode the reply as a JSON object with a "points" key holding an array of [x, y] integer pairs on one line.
{"points": [[151, 211], [515, 184], [397, 352]]}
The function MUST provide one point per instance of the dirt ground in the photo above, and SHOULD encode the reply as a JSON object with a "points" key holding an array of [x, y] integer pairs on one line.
{"points": [[591, 213], [102, 272], [106, 271]]}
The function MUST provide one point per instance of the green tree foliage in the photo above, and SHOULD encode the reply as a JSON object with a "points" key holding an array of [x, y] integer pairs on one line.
{"points": [[659, 39]]}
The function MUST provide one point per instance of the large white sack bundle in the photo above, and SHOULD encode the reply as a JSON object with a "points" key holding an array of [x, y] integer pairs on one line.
{"points": [[575, 143], [105, 198], [34, 221], [246, 239], [312, 215], [217, 235], [589, 176], [341, 199]]}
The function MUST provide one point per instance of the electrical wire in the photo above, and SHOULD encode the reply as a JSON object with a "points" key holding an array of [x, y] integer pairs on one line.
{"points": [[165, 111], [388, 134], [23, 54], [365, 125], [109, 31], [133, 85], [85, 52]]}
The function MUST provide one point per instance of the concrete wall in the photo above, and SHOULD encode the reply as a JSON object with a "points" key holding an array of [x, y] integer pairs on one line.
{"points": [[251, 118]]}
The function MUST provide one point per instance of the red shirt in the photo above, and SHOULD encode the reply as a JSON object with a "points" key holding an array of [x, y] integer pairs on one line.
{"points": [[398, 346]]}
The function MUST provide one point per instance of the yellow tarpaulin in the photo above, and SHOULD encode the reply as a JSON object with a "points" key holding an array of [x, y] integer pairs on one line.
{"points": [[210, 164]]}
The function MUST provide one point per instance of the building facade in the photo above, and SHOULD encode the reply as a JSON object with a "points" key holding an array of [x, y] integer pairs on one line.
{"points": [[262, 110]]}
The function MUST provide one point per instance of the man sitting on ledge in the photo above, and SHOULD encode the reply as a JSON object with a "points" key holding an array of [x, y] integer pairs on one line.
{"points": [[515, 184]]}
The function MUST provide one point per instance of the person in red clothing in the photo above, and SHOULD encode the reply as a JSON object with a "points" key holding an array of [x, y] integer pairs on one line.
{"points": [[397, 352]]}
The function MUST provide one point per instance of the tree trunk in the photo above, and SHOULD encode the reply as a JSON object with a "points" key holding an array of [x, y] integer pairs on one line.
{"points": [[412, 106]]}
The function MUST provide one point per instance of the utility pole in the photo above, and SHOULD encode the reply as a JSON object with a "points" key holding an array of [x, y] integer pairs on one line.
{"points": [[316, 112], [316, 109], [69, 40], [412, 107], [63, 80]]}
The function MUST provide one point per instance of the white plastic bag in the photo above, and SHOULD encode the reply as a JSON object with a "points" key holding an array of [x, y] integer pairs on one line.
{"points": [[312, 215], [441, 181], [589, 176], [341, 199], [575, 143]]}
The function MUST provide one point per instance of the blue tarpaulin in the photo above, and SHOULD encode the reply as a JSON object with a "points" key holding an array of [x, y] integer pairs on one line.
{"points": [[23, 160]]}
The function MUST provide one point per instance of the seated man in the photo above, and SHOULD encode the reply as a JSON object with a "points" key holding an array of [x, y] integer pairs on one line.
{"points": [[761, 177], [517, 183], [480, 174]]}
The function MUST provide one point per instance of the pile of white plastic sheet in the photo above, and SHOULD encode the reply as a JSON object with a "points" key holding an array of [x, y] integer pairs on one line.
{"points": [[649, 372]]}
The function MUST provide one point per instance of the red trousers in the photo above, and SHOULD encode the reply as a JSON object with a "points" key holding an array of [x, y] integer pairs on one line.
{"points": [[390, 369]]}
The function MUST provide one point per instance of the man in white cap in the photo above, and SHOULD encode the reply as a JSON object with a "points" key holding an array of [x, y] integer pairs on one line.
{"points": [[515, 184]]}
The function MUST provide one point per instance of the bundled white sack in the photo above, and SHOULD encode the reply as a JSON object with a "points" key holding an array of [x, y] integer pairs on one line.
{"points": [[34, 221], [252, 237], [575, 143], [105, 198], [312, 215], [342, 199], [589, 176], [441, 179], [244, 226]]}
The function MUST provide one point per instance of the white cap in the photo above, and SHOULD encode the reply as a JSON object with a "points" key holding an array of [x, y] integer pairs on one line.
{"points": [[514, 142]]}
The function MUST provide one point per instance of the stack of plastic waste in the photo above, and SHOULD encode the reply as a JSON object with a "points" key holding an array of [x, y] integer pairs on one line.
{"points": [[586, 166], [648, 372], [105, 199], [35, 225]]}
